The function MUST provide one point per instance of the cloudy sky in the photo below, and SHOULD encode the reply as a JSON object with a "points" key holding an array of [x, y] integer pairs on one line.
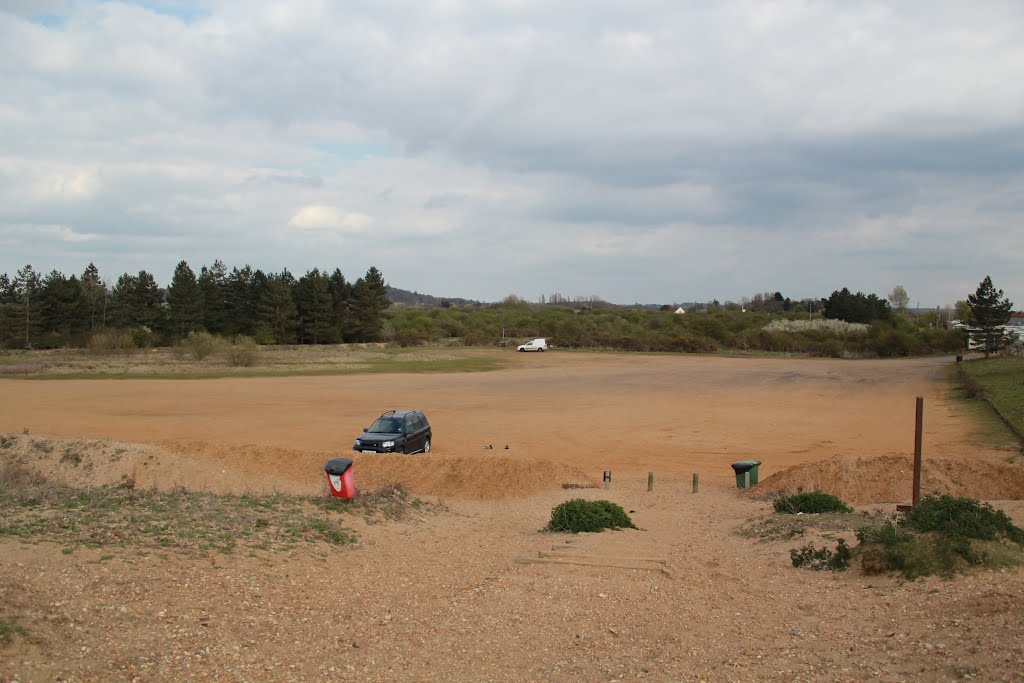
{"points": [[646, 151]]}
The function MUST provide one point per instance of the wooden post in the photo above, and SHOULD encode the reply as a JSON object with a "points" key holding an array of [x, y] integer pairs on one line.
{"points": [[607, 479], [696, 481], [650, 481], [917, 449]]}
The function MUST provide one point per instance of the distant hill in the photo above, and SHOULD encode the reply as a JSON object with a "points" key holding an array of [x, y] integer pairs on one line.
{"points": [[407, 298]]}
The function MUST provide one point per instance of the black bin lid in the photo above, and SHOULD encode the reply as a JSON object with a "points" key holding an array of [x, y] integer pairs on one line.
{"points": [[337, 465], [745, 465]]}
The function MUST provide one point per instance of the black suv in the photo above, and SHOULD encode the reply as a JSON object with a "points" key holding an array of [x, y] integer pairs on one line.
{"points": [[396, 431]]}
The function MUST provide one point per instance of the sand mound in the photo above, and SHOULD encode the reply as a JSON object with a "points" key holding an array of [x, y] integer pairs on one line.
{"points": [[473, 478], [860, 480]]}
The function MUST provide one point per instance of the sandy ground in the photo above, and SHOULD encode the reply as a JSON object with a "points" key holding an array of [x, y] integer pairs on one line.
{"points": [[477, 593]]}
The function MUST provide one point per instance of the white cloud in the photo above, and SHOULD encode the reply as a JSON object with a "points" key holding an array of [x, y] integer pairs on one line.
{"points": [[323, 217]]}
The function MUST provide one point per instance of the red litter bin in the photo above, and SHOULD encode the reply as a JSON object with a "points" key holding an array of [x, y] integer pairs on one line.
{"points": [[339, 477]]}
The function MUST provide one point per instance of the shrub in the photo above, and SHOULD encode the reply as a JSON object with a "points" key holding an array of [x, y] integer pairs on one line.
{"points": [[112, 341], [962, 518], [973, 387], [578, 515], [813, 502], [941, 535], [201, 345], [822, 558], [243, 352]]}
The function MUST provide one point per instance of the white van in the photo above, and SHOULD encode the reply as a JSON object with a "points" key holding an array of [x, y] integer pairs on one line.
{"points": [[539, 344]]}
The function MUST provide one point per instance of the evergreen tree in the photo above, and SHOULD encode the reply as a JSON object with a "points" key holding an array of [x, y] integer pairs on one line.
{"points": [[213, 283], [313, 301], [184, 301], [242, 301], [276, 312], [341, 300], [96, 296], [136, 301], [6, 309], [990, 310], [369, 302], [63, 308], [27, 285], [856, 308]]}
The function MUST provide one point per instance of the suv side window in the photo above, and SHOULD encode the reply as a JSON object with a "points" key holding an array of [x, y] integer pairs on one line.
{"points": [[418, 423]]}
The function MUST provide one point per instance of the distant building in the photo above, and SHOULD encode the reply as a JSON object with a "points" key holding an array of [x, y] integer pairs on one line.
{"points": [[680, 310]]}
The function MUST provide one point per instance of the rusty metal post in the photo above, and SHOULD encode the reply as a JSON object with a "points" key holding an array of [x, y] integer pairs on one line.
{"points": [[696, 481], [650, 481], [917, 449]]}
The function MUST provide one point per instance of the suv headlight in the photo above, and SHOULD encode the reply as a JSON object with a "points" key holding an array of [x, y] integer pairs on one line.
{"points": [[388, 444]]}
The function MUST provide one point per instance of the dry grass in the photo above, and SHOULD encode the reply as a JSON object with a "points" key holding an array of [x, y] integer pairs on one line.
{"points": [[246, 360]]}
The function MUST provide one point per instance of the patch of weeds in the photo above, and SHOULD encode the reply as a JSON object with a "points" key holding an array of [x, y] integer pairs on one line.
{"points": [[820, 559], [71, 456], [183, 520], [579, 515], [42, 445], [8, 631], [786, 527], [6, 442], [812, 502]]}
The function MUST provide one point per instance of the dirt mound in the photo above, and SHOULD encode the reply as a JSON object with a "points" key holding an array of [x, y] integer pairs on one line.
{"points": [[860, 480], [236, 469], [469, 478]]}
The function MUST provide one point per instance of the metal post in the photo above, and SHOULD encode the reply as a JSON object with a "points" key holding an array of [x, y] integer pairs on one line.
{"points": [[650, 481], [607, 479], [917, 449], [696, 480]]}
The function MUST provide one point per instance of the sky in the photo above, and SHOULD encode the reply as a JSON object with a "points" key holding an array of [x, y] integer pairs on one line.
{"points": [[651, 151]]}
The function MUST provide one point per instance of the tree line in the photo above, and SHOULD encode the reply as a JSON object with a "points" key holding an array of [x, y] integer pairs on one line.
{"points": [[55, 310]]}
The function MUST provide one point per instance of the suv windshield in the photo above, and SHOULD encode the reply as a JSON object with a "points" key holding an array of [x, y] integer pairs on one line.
{"points": [[386, 425]]}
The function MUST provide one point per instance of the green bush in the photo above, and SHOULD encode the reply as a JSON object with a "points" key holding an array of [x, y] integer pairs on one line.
{"points": [[822, 558], [813, 502], [578, 515], [941, 535], [962, 518]]}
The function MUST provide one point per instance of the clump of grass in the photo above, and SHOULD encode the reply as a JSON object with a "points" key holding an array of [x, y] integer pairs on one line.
{"points": [[8, 631], [812, 502], [820, 559], [17, 476], [942, 535], [242, 352], [578, 515], [110, 342], [201, 345]]}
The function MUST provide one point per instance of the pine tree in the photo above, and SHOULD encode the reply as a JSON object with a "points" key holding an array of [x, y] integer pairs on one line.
{"points": [[369, 301], [341, 300], [313, 300], [6, 308], [96, 296], [276, 311], [63, 309], [990, 310], [213, 283], [27, 285], [184, 301]]}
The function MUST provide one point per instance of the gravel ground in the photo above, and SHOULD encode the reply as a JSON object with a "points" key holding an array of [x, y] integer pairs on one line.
{"points": [[440, 596]]}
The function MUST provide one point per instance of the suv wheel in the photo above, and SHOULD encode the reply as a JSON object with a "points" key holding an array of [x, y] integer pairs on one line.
{"points": [[426, 445]]}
